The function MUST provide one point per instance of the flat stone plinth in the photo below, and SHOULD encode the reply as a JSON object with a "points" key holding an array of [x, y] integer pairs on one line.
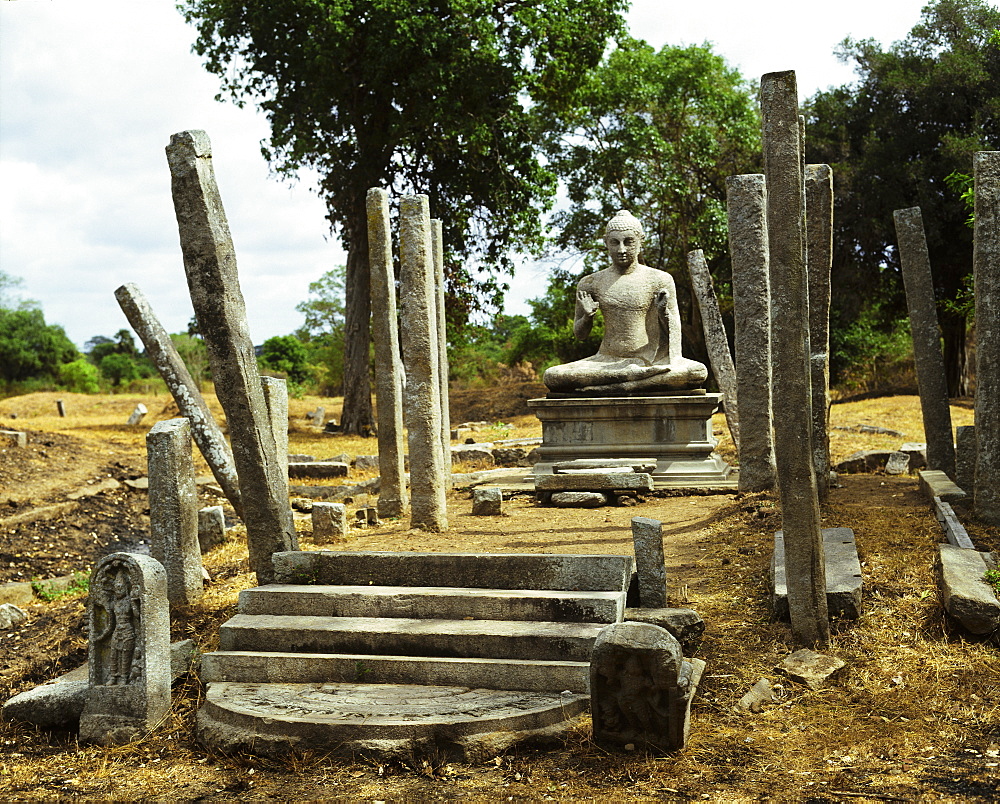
{"points": [[843, 575], [379, 719], [674, 431], [967, 597]]}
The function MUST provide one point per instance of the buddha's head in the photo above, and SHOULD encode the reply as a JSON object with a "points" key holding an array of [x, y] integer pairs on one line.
{"points": [[623, 238]]}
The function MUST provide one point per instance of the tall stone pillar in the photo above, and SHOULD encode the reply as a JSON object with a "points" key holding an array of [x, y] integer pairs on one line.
{"points": [[746, 205], [276, 399], [173, 509], [986, 262], [792, 387], [715, 338], [819, 238], [926, 336], [420, 353], [210, 266], [437, 233], [392, 497], [183, 389]]}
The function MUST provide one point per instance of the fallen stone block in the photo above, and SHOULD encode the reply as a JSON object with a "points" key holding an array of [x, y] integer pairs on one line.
{"points": [[967, 597], [18, 593], [11, 615], [301, 458], [759, 694], [329, 522], [211, 527], [935, 483], [13, 438], [317, 469], [479, 453], [843, 575], [686, 625], [364, 463], [578, 499], [917, 451], [595, 481], [897, 464], [487, 502], [867, 460], [640, 465], [367, 517], [810, 668], [137, 415], [954, 530], [510, 456]]}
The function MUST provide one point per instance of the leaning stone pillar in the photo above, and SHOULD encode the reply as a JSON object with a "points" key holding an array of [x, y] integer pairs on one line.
{"points": [[715, 339], [746, 205], [792, 386], [437, 232], [183, 389], [129, 651], [276, 399], [427, 504], [392, 498], [986, 262], [173, 509], [210, 265], [926, 336], [819, 237]]}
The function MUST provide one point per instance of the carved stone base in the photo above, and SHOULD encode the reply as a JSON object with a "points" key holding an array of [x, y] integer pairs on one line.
{"points": [[673, 431]]}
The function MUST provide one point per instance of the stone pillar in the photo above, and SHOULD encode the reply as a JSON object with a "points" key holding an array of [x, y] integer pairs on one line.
{"points": [[647, 537], [61, 407], [819, 237], [137, 415], [746, 205], [986, 262], [392, 498], [183, 389], [437, 234], [173, 509], [419, 319], [926, 336], [715, 339], [329, 521], [276, 399], [965, 458], [129, 650], [211, 527], [210, 265], [792, 388]]}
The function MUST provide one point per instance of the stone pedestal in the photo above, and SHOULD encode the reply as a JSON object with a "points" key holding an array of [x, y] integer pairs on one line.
{"points": [[674, 431]]}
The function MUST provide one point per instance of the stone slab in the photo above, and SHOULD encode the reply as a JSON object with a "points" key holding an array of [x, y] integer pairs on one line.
{"points": [[917, 450], [954, 530], [843, 575], [18, 593], [318, 469], [385, 720], [594, 481], [686, 625], [865, 460], [591, 573], [935, 483], [583, 465], [810, 668], [967, 597], [13, 438], [299, 668], [433, 602], [575, 499], [898, 463], [487, 501]]}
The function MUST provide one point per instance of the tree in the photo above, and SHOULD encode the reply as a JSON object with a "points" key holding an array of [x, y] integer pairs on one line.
{"points": [[916, 115], [657, 133], [194, 353], [118, 368], [285, 353], [8, 286], [118, 358], [419, 97], [30, 348], [81, 376], [323, 330]]}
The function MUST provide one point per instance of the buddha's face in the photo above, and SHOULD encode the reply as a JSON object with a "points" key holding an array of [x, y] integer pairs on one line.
{"points": [[623, 247]]}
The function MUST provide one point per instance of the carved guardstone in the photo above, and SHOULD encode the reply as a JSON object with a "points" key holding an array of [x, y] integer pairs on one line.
{"points": [[675, 432], [641, 688], [129, 654]]}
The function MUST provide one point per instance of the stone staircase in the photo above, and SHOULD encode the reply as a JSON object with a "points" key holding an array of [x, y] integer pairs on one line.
{"points": [[403, 653]]}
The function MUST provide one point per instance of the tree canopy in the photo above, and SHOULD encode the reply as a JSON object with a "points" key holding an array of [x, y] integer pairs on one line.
{"points": [[918, 112], [438, 98], [30, 348]]}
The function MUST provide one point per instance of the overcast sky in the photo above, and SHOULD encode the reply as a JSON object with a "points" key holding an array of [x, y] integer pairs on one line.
{"points": [[90, 93]]}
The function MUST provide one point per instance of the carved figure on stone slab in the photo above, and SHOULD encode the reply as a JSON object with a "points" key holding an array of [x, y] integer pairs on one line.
{"points": [[641, 349], [120, 615]]}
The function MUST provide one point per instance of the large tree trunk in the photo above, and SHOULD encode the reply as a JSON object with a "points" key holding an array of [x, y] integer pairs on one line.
{"points": [[956, 363], [357, 417]]}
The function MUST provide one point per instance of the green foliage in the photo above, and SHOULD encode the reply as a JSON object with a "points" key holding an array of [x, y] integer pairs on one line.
{"points": [[194, 353], [80, 376], [992, 577], [965, 186], [873, 352], [30, 348], [478, 353], [322, 332], [118, 368], [286, 354], [48, 592], [8, 297], [118, 358], [915, 116]]}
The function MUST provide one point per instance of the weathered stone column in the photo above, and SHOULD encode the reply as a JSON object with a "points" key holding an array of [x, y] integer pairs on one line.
{"points": [[419, 319], [437, 234], [819, 237], [210, 265], [276, 399], [746, 205], [183, 389], [715, 339], [792, 389], [129, 650], [986, 262], [926, 335], [392, 497], [173, 509], [647, 538]]}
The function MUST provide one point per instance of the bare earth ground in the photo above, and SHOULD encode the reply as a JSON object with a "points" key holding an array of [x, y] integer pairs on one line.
{"points": [[916, 715]]}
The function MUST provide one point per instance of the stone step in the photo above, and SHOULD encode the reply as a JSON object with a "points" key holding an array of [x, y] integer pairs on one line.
{"points": [[299, 668], [386, 720], [410, 637], [584, 573], [438, 602]]}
